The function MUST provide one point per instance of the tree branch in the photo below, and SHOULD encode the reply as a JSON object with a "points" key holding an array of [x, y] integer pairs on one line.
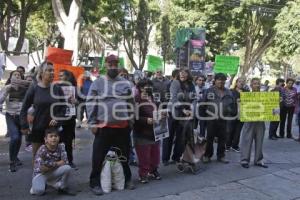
{"points": [[75, 10], [59, 11]]}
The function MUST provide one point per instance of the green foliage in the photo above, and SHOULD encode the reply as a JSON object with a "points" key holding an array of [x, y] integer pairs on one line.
{"points": [[41, 27], [126, 21], [213, 15], [288, 29], [165, 40]]}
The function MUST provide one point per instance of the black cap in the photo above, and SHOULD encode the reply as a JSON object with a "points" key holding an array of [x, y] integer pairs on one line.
{"points": [[220, 76]]}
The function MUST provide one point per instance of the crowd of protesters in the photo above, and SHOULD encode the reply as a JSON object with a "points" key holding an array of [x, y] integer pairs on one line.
{"points": [[38, 107]]}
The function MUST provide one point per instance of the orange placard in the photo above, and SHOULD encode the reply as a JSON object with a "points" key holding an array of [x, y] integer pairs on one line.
{"points": [[77, 72], [59, 56]]}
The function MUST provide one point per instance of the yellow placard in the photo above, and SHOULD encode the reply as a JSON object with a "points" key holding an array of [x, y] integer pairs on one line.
{"points": [[259, 106]]}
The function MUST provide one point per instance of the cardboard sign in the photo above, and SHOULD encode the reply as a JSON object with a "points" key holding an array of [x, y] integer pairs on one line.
{"points": [[227, 64], [59, 56], [160, 125], [69, 93], [77, 72], [259, 106]]}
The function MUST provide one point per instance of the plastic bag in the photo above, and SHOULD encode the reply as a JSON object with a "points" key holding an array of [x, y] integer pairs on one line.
{"points": [[112, 174], [106, 177], [117, 176]]}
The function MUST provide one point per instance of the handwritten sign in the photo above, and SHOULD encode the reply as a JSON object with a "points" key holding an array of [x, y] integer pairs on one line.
{"points": [[259, 106], [227, 64]]}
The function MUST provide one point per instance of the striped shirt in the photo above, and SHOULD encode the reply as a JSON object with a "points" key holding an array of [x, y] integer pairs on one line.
{"points": [[289, 97]]}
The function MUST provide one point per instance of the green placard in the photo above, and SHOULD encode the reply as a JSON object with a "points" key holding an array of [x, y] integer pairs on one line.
{"points": [[227, 64], [121, 62], [259, 106], [155, 63]]}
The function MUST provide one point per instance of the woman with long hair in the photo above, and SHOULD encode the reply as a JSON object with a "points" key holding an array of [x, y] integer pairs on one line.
{"points": [[183, 100], [68, 84], [42, 96], [148, 151], [13, 95]]}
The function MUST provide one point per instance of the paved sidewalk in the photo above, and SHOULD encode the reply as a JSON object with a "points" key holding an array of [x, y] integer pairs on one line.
{"points": [[217, 181]]}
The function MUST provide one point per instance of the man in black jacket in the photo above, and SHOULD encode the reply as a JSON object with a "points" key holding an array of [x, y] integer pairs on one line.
{"points": [[219, 106], [160, 87]]}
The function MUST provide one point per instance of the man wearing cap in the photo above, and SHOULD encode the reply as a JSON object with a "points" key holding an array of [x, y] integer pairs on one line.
{"points": [[109, 107], [219, 106]]}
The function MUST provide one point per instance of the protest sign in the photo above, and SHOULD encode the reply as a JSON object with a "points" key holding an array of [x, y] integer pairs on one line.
{"points": [[155, 63], [259, 106], [160, 125], [69, 93], [59, 56], [227, 64]]}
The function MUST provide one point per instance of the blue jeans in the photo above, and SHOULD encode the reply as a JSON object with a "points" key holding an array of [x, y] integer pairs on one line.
{"points": [[13, 128]]}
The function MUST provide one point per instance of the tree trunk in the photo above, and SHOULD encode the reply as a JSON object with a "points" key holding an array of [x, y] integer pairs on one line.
{"points": [[69, 25], [5, 32], [23, 21]]}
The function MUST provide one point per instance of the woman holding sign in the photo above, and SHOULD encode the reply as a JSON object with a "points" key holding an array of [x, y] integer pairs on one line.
{"points": [[68, 85], [147, 149]]}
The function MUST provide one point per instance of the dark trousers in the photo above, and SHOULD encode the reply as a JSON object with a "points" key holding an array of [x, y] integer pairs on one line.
{"points": [[216, 128], [104, 139], [175, 132], [13, 128], [67, 137], [82, 111], [202, 124], [235, 128], [286, 112], [273, 129]]}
